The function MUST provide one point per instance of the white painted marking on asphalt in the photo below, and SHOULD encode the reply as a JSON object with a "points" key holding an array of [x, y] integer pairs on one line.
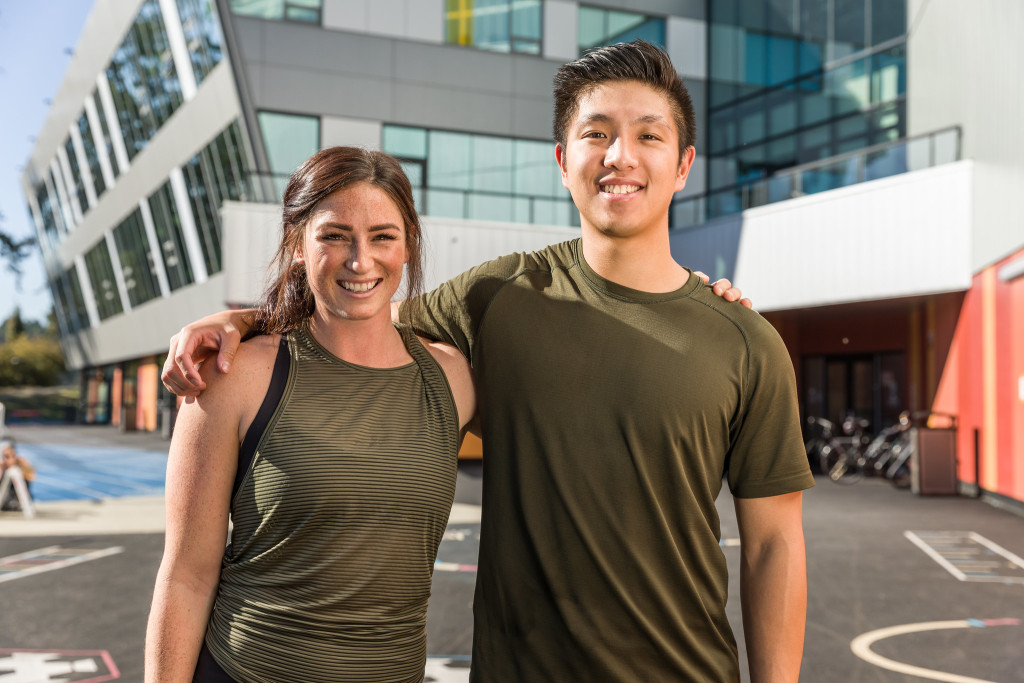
{"points": [[446, 670], [961, 554], [861, 646], [36, 562], [998, 549], [932, 553]]}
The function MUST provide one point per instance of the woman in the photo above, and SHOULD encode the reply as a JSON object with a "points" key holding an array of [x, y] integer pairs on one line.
{"points": [[331, 446]]}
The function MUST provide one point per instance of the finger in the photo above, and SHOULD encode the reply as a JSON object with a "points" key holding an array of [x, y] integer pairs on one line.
{"points": [[188, 369], [229, 342], [747, 302], [721, 286], [702, 275]]}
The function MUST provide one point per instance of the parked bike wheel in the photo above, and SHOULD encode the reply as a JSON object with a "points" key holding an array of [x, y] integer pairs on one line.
{"points": [[840, 466]]}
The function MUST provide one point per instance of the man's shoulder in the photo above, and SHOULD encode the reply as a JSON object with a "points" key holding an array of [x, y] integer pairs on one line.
{"points": [[754, 328], [551, 257]]}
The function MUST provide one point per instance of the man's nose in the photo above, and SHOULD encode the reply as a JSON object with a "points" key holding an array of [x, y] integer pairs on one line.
{"points": [[621, 154]]}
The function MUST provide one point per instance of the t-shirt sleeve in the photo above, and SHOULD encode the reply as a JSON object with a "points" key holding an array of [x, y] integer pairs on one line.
{"points": [[767, 456], [452, 313]]}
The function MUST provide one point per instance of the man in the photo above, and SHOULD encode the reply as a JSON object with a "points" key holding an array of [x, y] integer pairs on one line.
{"points": [[615, 392]]}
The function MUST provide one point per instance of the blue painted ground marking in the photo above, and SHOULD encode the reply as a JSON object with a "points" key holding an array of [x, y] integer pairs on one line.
{"points": [[68, 472]]}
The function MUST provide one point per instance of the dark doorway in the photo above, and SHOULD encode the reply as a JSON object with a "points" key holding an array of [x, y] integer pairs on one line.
{"points": [[872, 386]]}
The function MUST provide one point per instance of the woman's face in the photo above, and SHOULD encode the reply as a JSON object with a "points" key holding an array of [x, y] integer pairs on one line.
{"points": [[354, 248]]}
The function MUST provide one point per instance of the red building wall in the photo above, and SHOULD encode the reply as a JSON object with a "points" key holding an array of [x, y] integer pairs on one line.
{"points": [[981, 383]]}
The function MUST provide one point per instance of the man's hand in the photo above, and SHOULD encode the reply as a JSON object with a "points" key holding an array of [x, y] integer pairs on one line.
{"points": [[218, 334], [724, 289]]}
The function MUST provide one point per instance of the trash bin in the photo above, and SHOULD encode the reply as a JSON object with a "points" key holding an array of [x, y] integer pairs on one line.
{"points": [[933, 461]]}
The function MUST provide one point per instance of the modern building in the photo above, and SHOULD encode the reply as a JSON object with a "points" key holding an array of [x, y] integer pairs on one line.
{"points": [[856, 175]]}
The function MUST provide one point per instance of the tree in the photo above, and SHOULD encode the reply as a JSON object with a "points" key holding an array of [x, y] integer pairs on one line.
{"points": [[13, 326], [37, 362], [14, 251]]}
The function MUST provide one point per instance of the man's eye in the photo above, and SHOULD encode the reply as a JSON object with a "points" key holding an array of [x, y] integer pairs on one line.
{"points": [[594, 134]]}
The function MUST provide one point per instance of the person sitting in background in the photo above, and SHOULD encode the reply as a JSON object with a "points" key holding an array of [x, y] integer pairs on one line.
{"points": [[12, 466]]}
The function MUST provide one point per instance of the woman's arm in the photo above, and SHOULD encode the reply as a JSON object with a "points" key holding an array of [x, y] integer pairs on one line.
{"points": [[200, 474]]}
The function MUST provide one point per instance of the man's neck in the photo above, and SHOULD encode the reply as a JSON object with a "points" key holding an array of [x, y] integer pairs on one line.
{"points": [[641, 262]]}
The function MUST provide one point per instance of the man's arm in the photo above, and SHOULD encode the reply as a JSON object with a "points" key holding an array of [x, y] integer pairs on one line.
{"points": [[221, 333], [773, 585], [218, 333]]}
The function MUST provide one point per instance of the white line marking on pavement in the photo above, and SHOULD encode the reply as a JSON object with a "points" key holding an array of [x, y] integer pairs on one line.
{"points": [[932, 553], [978, 538], [861, 646], [446, 669], [967, 556], [43, 560]]}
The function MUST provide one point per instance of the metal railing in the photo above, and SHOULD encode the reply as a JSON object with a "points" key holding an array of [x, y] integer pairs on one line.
{"points": [[870, 163]]}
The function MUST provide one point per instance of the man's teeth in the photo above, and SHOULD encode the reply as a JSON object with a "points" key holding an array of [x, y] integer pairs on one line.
{"points": [[359, 286], [619, 189]]}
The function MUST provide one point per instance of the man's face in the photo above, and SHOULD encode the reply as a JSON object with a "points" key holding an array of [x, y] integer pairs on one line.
{"points": [[621, 159]]}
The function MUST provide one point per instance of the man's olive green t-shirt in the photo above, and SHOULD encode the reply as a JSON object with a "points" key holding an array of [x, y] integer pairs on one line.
{"points": [[610, 417]]}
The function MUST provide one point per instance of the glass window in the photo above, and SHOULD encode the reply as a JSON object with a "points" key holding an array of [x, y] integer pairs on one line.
{"points": [[450, 164], [76, 175], [169, 235], [47, 213], [888, 75], [849, 87], [536, 173], [137, 266], [91, 155], [849, 27], [492, 164], [289, 140], [888, 20], [73, 294], [481, 176], [599, 27], [498, 25], [202, 34], [143, 82], [105, 137], [101, 277], [218, 173], [407, 143], [303, 11]]}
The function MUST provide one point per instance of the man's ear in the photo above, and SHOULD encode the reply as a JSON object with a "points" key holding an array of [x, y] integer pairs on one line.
{"points": [[685, 163], [560, 158]]}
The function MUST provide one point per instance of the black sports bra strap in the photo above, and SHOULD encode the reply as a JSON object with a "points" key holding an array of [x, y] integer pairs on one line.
{"points": [[278, 381]]}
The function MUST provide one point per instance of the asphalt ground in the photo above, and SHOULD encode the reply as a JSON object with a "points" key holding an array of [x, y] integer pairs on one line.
{"points": [[924, 588]]}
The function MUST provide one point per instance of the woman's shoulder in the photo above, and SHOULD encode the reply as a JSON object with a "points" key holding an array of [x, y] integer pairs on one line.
{"points": [[447, 356], [253, 361], [460, 377]]}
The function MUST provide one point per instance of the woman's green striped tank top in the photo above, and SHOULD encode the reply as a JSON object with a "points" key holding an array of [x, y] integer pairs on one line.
{"points": [[337, 523]]}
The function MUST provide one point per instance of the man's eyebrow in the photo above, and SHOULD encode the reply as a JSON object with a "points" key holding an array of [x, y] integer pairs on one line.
{"points": [[598, 117]]}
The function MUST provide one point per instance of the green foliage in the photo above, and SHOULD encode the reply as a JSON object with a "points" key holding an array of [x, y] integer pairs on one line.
{"points": [[14, 251], [15, 326], [30, 361]]}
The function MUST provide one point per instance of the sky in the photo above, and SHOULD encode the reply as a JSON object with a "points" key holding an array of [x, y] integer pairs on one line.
{"points": [[37, 39]]}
